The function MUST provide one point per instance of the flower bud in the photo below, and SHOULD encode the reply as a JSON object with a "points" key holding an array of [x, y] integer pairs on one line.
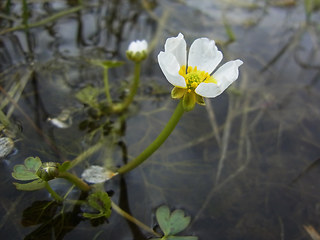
{"points": [[48, 171], [137, 50]]}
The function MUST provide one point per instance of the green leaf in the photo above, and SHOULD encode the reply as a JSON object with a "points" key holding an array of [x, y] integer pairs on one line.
{"points": [[88, 95], [163, 218], [173, 223], [64, 166], [28, 170], [182, 238], [32, 186], [178, 222], [99, 201], [106, 63]]}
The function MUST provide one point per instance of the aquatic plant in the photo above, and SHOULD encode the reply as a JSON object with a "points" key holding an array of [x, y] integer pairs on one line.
{"points": [[192, 82]]}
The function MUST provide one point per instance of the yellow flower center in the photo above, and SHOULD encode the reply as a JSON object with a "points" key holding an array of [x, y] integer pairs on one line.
{"points": [[194, 77]]}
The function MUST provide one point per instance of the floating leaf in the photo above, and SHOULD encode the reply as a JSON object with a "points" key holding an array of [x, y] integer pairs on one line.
{"points": [[31, 186], [173, 223], [99, 201], [28, 170], [88, 95]]}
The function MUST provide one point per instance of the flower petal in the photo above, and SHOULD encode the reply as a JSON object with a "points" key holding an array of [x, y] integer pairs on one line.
{"points": [[225, 75], [170, 68], [204, 55], [178, 47], [138, 46]]}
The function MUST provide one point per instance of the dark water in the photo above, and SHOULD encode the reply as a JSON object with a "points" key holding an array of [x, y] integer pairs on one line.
{"points": [[246, 166]]}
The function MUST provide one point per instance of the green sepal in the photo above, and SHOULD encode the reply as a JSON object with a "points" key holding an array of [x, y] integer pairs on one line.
{"points": [[28, 171], [178, 92], [188, 101], [137, 56], [200, 100], [31, 186]]}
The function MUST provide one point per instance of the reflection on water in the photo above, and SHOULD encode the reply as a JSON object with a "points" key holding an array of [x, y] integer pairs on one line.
{"points": [[244, 167]]}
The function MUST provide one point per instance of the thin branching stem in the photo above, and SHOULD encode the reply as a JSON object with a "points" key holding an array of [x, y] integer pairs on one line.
{"points": [[127, 216], [156, 143]]}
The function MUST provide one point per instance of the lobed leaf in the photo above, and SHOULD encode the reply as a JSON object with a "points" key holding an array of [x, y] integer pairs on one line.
{"points": [[31, 186], [173, 223], [99, 201], [28, 170]]}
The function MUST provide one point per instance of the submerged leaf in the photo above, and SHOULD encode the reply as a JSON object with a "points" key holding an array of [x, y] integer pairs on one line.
{"points": [[99, 201], [28, 170], [39, 212]]}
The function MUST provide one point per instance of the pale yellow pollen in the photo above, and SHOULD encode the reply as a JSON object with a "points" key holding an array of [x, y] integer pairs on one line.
{"points": [[194, 77]]}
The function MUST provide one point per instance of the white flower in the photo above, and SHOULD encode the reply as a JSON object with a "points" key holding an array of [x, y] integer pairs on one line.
{"points": [[137, 50], [192, 77]]}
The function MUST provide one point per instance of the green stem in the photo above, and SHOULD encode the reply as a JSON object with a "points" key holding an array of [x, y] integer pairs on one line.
{"points": [[156, 143], [81, 157], [124, 214], [25, 13], [4, 119], [133, 90], [8, 6], [106, 84], [43, 21], [53, 193], [75, 180]]}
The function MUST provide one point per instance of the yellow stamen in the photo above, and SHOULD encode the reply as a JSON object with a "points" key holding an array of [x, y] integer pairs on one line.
{"points": [[194, 77]]}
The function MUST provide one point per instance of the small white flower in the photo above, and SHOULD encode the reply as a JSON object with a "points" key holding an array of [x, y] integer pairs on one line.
{"points": [[137, 50], [192, 77], [138, 46]]}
